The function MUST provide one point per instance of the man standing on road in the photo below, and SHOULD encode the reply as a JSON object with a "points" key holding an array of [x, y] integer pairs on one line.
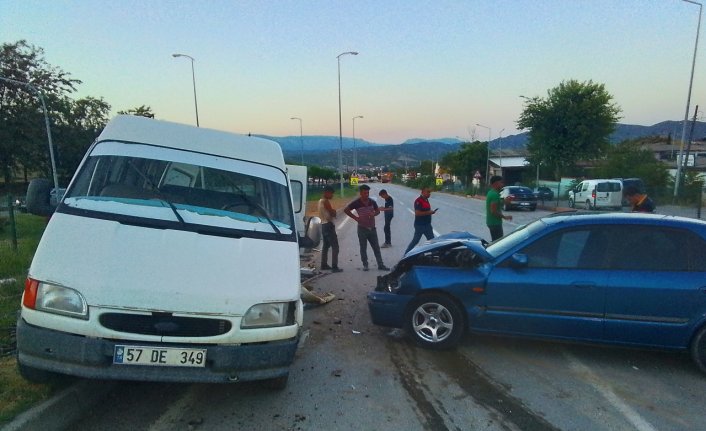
{"points": [[366, 209], [641, 203], [493, 204], [328, 231], [422, 218], [389, 213]]}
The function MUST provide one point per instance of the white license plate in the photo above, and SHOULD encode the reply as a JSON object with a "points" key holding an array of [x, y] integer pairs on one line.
{"points": [[159, 356], [524, 203]]}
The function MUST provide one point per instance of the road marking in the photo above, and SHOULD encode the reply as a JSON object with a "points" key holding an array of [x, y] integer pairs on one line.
{"points": [[604, 389], [170, 418]]}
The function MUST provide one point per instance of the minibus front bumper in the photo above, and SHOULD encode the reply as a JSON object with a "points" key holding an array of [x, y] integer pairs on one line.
{"points": [[76, 355]]}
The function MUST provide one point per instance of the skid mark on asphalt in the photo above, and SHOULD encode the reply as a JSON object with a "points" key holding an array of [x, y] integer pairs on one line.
{"points": [[604, 389], [510, 412], [412, 382]]}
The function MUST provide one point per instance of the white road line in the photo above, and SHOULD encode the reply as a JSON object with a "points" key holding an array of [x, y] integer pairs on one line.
{"points": [[604, 389], [170, 418]]}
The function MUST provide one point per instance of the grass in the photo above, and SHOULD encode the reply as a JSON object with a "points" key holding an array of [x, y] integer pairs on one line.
{"points": [[16, 394]]}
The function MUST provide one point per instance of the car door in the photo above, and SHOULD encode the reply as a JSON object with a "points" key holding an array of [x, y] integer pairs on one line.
{"points": [[558, 292], [657, 285]]}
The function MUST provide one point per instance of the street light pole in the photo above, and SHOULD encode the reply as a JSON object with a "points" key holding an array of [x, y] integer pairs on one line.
{"points": [[688, 101], [500, 144], [487, 163], [340, 119], [301, 137], [193, 79], [46, 124], [355, 152]]}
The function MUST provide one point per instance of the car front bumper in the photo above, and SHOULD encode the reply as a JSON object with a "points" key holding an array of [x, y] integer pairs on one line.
{"points": [[387, 309], [80, 356]]}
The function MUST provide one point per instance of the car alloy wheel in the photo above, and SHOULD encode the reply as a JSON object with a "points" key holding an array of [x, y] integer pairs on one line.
{"points": [[435, 321]]}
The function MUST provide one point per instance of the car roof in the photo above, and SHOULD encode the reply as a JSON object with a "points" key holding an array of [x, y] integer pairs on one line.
{"points": [[587, 217]]}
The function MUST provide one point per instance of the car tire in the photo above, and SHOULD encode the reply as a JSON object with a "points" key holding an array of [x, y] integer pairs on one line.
{"points": [[434, 321], [587, 205], [698, 348], [277, 383]]}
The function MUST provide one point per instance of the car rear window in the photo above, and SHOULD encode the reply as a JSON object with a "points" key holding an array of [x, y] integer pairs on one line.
{"points": [[608, 187]]}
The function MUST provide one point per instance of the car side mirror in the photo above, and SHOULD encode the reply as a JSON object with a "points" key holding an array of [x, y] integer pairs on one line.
{"points": [[518, 260], [38, 197]]}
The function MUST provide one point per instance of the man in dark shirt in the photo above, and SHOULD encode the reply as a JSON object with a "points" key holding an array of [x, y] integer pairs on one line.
{"points": [[389, 213], [365, 211], [640, 202], [422, 218]]}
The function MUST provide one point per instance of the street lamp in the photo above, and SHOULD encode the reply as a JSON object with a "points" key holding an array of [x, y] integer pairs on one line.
{"points": [[340, 120], [46, 124], [487, 163], [355, 153], [193, 78], [688, 101], [301, 137], [500, 144]]}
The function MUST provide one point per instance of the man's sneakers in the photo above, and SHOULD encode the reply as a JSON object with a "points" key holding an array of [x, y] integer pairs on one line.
{"points": [[365, 267], [325, 267], [383, 268], [386, 245], [336, 269]]}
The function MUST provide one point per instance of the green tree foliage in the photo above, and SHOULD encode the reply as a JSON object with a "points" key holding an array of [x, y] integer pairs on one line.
{"points": [[23, 140], [471, 157], [319, 174], [573, 123], [629, 160], [22, 129], [141, 111]]}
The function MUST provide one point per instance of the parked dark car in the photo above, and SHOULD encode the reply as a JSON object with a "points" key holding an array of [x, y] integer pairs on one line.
{"points": [[612, 278], [516, 197], [544, 193]]}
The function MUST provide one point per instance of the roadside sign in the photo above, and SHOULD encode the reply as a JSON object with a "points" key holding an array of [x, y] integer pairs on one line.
{"points": [[439, 181], [354, 181]]}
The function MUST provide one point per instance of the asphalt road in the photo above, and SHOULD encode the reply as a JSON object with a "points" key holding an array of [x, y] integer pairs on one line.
{"points": [[352, 375]]}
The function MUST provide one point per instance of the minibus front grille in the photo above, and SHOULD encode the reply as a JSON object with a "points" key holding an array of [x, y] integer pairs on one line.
{"points": [[165, 325]]}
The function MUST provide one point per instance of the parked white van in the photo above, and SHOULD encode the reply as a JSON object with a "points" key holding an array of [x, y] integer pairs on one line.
{"points": [[173, 256], [594, 194]]}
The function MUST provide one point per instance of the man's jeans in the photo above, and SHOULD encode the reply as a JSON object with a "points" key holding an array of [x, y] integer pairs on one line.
{"points": [[328, 232], [365, 236], [425, 230]]}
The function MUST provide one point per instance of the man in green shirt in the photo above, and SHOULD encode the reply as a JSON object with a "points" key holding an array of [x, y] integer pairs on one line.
{"points": [[493, 204]]}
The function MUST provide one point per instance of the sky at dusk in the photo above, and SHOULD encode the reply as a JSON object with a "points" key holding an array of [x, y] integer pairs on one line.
{"points": [[425, 69]]}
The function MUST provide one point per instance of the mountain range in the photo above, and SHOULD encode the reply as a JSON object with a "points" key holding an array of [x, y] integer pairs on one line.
{"points": [[323, 150]]}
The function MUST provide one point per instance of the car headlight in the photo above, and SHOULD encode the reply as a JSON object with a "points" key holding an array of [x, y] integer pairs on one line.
{"points": [[269, 315], [52, 298]]}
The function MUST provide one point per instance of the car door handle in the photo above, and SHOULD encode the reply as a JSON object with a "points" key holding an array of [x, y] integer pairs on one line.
{"points": [[584, 285]]}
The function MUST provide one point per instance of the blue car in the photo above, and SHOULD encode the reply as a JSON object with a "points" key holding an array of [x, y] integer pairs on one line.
{"points": [[613, 278]]}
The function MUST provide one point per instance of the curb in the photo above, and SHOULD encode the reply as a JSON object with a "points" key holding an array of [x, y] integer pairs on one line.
{"points": [[61, 410]]}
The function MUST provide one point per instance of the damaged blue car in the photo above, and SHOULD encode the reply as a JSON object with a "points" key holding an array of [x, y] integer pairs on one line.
{"points": [[611, 278]]}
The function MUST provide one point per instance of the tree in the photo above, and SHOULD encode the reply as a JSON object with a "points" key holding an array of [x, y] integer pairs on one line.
{"points": [[142, 111], [23, 140], [471, 157], [628, 160], [573, 123]]}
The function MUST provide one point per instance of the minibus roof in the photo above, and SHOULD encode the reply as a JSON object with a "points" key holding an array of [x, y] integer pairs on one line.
{"points": [[131, 128]]}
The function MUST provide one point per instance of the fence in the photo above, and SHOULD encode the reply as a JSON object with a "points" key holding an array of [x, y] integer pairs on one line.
{"points": [[8, 225]]}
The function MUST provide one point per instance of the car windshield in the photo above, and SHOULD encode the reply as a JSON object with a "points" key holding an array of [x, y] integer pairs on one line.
{"points": [[519, 235], [195, 190]]}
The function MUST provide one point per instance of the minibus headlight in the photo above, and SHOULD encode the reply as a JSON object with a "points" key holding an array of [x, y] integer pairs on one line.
{"points": [[268, 315], [58, 299]]}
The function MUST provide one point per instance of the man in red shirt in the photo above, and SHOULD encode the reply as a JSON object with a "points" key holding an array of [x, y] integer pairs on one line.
{"points": [[422, 218]]}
